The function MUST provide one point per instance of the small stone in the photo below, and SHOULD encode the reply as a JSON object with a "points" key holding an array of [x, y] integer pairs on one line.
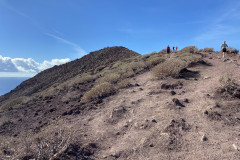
{"points": [[140, 89], [206, 77], [151, 145], [204, 138], [205, 112], [235, 147]]}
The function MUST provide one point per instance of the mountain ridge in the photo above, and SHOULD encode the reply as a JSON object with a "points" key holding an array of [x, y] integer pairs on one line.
{"points": [[58, 74]]}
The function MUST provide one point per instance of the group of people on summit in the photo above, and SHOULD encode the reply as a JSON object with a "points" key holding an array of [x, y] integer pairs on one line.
{"points": [[173, 49], [223, 49]]}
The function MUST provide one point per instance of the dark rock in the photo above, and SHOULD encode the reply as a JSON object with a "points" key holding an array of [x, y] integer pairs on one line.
{"points": [[186, 100], [177, 102], [172, 93], [154, 121], [205, 112]]}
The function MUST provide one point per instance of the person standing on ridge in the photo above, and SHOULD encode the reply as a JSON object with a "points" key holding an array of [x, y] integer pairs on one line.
{"points": [[168, 50], [176, 48], [224, 48], [173, 48]]}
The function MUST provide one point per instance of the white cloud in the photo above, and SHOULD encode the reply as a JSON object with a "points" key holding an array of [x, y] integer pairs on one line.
{"points": [[29, 65], [48, 64]]}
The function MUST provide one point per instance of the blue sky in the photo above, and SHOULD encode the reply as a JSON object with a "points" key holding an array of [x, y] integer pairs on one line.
{"points": [[52, 32]]}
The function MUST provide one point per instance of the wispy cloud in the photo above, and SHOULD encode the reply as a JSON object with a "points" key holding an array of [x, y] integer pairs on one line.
{"points": [[76, 47], [11, 8], [221, 27]]}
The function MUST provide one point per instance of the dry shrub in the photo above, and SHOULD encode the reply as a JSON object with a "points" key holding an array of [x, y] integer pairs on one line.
{"points": [[70, 96], [99, 69], [163, 51], [137, 66], [127, 73], [153, 61], [78, 80], [229, 86], [189, 49], [171, 67], [99, 91], [53, 143], [190, 58], [7, 149], [14, 103], [117, 64], [123, 84], [110, 78], [235, 51], [84, 78], [206, 50]]}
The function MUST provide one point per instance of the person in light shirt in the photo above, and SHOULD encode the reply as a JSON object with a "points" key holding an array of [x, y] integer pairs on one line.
{"points": [[224, 48]]}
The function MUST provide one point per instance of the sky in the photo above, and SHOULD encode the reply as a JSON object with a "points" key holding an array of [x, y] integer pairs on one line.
{"points": [[38, 34]]}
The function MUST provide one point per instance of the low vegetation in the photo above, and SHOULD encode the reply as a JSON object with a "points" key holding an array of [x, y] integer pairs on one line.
{"points": [[189, 49], [48, 144], [14, 103], [206, 50], [171, 67], [99, 91], [229, 86]]}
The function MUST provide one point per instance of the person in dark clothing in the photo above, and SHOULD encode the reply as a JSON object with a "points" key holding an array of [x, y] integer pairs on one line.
{"points": [[168, 50]]}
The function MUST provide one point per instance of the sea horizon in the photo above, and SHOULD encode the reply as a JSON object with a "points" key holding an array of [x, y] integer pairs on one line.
{"points": [[9, 83]]}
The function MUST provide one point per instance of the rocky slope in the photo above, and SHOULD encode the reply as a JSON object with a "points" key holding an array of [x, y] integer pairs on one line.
{"points": [[59, 74]]}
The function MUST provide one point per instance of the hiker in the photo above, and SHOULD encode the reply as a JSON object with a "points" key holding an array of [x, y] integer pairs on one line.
{"points": [[176, 48], [173, 48], [224, 48], [168, 50]]}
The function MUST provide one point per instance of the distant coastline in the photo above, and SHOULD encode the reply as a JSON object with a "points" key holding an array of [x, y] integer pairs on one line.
{"points": [[9, 83]]}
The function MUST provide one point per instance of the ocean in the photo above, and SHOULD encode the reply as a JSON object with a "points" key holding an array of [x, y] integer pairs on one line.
{"points": [[9, 83]]}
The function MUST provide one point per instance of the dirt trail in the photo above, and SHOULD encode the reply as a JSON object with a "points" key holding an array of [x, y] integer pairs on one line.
{"points": [[166, 119]]}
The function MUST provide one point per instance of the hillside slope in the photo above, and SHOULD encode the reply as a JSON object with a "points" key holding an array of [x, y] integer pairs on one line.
{"points": [[185, 117], [59, 74]]}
